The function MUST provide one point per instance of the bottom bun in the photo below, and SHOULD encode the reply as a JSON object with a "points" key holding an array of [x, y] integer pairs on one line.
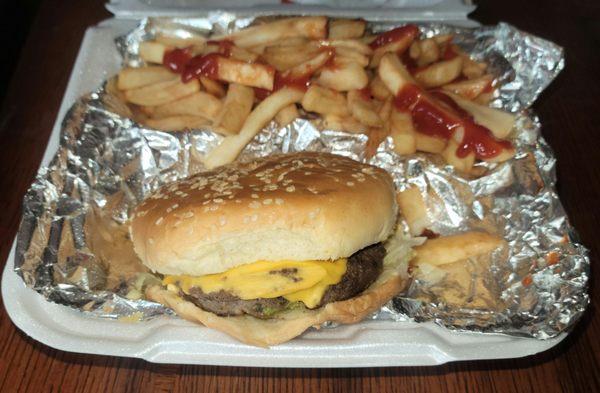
{"points": [[267, 332]]}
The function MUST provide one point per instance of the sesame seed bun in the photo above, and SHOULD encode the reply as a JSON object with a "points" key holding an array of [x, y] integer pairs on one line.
{"points": [[303, 206]]}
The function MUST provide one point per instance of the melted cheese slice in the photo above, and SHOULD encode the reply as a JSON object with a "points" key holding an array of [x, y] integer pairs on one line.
{"points": [[304, 281]]}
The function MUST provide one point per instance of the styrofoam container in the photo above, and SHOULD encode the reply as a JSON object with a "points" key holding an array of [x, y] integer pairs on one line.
{"points": [[172, 340]]}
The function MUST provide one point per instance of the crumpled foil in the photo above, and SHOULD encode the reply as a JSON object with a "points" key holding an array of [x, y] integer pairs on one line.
{"points": [[74, 249]]}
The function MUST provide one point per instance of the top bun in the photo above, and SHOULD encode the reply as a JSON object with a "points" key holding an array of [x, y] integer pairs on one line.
{"points": [[303, 206]]}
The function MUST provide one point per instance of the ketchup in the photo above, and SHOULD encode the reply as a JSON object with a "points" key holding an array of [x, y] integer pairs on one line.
{"points": [[436, 114], [176, 59], [207, 65], [365, 93], [408, 31], [449, 52], [285, 79]]}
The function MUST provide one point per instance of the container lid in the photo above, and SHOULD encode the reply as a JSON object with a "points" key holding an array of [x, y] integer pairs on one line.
{"points": [[398, 10]]}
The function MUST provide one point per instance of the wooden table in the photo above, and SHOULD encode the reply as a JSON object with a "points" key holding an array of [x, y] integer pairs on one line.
{"points": [[569, 111]]}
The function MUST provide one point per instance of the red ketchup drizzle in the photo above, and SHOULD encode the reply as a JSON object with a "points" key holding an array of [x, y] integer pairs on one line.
{"points": [[441, 119], [409, 62], [282, 79], [365, 93], [489, 88], [207, 65], [176, 59], [394, 35]]}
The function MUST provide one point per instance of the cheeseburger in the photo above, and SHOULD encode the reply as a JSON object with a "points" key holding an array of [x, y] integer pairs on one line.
{"points": [[266, 249]]}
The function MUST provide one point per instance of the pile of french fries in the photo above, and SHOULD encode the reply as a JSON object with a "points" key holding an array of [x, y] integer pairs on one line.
{"points": [[334, 68]]}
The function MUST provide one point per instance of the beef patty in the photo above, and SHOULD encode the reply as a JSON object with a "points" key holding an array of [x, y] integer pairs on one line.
{"points": [[362, 269]]}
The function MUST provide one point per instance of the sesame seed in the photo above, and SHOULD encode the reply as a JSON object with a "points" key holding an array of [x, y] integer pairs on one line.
{"points": [[254, 205], [350, 183], [158, 222], [254, 196], [254, 218], [218, 200], [278, 201], [290, 189], [267, 201]]}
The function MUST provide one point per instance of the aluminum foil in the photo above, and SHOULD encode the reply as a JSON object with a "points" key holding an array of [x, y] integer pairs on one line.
{"points": [[73, 246]]}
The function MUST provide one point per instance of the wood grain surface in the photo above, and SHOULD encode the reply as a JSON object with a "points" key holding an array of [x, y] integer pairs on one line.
{"points": [[569, 111]]}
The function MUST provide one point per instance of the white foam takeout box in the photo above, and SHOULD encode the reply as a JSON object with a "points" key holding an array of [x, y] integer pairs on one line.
{"points": [[172, 340]]}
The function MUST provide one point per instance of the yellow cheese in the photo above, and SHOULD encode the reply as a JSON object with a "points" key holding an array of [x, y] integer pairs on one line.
{"points": [[312, 296], [304, 281]]}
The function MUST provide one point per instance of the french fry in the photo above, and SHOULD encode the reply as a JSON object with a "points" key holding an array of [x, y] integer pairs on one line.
{"points": [[386, 109], [440, 73], [429, 52], [471, 68], [350, 55], [259, 50], [346, 28], [470, 88], [461, 164], [161, 93], [429, 144], [325, 101], [454, 248], [500, 123], [344, 76], [378, 134], [153, 52], [378, 89], [179, 42], [310, 26], [403, 132], [413, 209], [355, 45], [132, 78], [287, 115], [197, 104], [443, 39], [398, 47], [284, 57], [363, 110], [484, 98], [393, 73], [264, 112], [236, 108], [310, 66], [345, 124], [248, 74], [177, 123], [115, 99], [213, 87]]}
